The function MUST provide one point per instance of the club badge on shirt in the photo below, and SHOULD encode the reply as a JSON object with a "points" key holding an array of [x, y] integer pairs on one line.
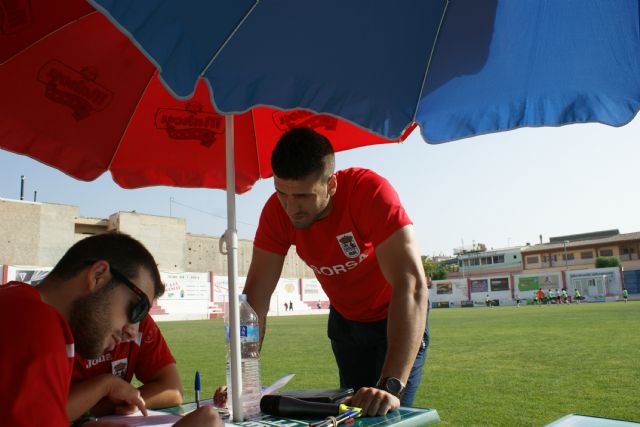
{"points": [[119, 367], [349, 245]]}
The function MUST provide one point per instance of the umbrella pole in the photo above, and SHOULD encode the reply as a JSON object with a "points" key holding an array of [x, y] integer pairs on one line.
{"points": [[231, 240]]}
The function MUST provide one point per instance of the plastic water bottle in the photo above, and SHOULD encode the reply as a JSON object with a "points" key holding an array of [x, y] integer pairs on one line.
{"points": [[250, 355]]}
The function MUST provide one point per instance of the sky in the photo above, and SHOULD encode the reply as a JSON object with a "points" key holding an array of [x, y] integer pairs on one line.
{"points": [[503, 189]]}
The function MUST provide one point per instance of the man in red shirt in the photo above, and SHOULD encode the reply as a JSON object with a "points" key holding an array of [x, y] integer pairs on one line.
{"points": [[351, 229], [143, 352], [100, 288]]}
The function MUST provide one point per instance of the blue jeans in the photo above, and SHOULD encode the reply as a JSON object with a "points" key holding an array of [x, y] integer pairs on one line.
{"points": [[360, 349]]}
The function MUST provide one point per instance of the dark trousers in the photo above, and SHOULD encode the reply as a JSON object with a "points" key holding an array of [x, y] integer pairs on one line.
{"points": [[360, 349]]}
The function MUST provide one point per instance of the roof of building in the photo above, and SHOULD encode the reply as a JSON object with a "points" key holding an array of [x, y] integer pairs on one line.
{"points": [[585, 236], [581, 243]]}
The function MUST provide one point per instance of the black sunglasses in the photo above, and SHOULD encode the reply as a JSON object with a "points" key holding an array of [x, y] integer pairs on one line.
{"points": [[139, 310]]}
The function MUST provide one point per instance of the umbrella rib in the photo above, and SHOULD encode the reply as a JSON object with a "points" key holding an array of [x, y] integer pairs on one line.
{"points": [[222, 46], [255, 143], [49, 34], [426, 71], [124, 131]]}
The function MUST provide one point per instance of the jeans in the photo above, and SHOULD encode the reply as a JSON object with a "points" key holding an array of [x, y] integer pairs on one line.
{"points": [[360, 349]]}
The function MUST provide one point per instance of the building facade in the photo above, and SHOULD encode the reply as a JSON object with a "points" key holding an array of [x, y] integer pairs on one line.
{"points": [[38, 234]]}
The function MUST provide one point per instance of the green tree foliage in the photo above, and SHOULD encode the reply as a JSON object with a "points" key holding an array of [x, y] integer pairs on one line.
{"points": [[607, 261], [433, 269]]}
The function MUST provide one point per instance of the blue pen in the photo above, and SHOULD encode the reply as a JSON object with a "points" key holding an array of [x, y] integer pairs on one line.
{"points": [[197, 388]]}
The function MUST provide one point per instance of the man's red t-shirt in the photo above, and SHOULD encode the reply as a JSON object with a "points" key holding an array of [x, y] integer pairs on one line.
{"points": [[144, 357], [35, 359], [340, 248]]}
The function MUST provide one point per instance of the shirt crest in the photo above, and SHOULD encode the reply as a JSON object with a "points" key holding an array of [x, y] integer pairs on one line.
{"points": [[119, 367], [349, 245]]}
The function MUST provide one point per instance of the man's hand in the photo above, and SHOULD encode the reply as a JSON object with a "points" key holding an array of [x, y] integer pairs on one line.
{"points": [[126, 397], [373, 401], [204, 416]]}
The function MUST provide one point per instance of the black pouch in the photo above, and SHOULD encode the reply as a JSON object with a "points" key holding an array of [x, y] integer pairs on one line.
{"points": [[319, 395]]}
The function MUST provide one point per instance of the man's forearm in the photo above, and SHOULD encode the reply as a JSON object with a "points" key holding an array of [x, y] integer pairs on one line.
{"points": [[164, 389], [263, 328], [85, 395], [158, 395], [405, 327]]}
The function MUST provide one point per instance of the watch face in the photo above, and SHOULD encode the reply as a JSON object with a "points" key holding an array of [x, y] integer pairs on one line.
{"points": [[393, 385]]}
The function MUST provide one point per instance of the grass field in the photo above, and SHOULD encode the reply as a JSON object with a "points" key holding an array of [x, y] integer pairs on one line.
{"points": [[503, 366]]}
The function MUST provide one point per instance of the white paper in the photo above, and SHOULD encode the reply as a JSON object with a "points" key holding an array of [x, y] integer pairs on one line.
{"points": [[155, 418]]}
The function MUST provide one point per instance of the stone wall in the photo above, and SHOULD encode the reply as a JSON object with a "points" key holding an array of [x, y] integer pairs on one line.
{"points": [[38, 234]]}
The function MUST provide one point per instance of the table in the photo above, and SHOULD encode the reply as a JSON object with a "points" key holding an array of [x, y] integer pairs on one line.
{"points": [[403, 417], [576, 420]]}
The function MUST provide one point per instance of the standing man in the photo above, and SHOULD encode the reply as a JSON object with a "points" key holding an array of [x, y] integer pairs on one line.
{"points": [[625, 294], [93, 297], [351, 229]]}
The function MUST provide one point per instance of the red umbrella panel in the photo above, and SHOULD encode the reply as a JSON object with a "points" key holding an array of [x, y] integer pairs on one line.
{"points": [[80, 97]]}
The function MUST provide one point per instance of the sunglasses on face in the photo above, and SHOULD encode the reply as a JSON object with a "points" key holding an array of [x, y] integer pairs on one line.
{"points": [[139, 310]]}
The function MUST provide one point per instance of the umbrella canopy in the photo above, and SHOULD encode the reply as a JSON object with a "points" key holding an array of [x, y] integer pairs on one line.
{"points": [[79, 96], [458, 68], [83, 99]]}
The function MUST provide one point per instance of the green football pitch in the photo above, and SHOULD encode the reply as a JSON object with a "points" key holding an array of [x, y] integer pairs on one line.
{"points": [[501, 366]]}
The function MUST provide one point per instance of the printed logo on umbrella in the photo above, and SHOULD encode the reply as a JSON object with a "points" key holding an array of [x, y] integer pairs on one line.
{"points": [[77, 90], [190, 123], [286, 120], [15, 16]]}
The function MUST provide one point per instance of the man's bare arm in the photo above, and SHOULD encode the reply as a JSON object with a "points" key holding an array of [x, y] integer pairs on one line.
{"points": [[401, 265], [106, 388], [164, 389], [263, 276]]}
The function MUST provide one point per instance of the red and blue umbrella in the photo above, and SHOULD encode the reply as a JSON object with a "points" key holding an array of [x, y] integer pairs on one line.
{"points": [[457, 68], [79, 96]]}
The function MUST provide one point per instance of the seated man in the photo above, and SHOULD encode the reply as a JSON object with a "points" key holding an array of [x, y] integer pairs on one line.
{"points": [[96, 293], [142, 352]]}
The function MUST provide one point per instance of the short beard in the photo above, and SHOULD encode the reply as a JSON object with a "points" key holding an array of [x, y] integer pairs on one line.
{"points": [[315, 219], [90, 322]]}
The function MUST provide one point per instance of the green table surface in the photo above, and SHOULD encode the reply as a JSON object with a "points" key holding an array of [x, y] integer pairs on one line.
{"points": [[576, 420], [403, 417]]}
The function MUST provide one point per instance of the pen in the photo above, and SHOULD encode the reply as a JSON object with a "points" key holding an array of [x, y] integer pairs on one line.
{"points": [[334, 421], [197, 388]]}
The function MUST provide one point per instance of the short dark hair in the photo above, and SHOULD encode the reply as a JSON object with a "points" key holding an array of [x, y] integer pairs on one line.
{"points": [[301, 152], [121, 251]]}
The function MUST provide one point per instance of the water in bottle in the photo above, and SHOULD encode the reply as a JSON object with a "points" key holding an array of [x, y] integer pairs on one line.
{"points": [[250, 355]]}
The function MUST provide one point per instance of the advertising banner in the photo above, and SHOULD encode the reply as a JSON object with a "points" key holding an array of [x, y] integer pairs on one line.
{"points": [[30, 275], [444, 288], [534, 282], [312, 291], [221, 288], [528, 283], [499, 284], [479, 285], [185, 286]]}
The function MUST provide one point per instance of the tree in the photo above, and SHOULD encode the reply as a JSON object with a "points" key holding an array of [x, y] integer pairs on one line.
{"points": [[607, 261], [434, 269]]}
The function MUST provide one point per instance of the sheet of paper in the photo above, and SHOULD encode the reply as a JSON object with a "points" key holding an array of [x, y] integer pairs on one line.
{"points": [[155, 419], [278, 384]]}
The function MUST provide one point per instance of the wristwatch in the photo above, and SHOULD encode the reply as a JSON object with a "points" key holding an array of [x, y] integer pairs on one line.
{"points": [[391, 385]]}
